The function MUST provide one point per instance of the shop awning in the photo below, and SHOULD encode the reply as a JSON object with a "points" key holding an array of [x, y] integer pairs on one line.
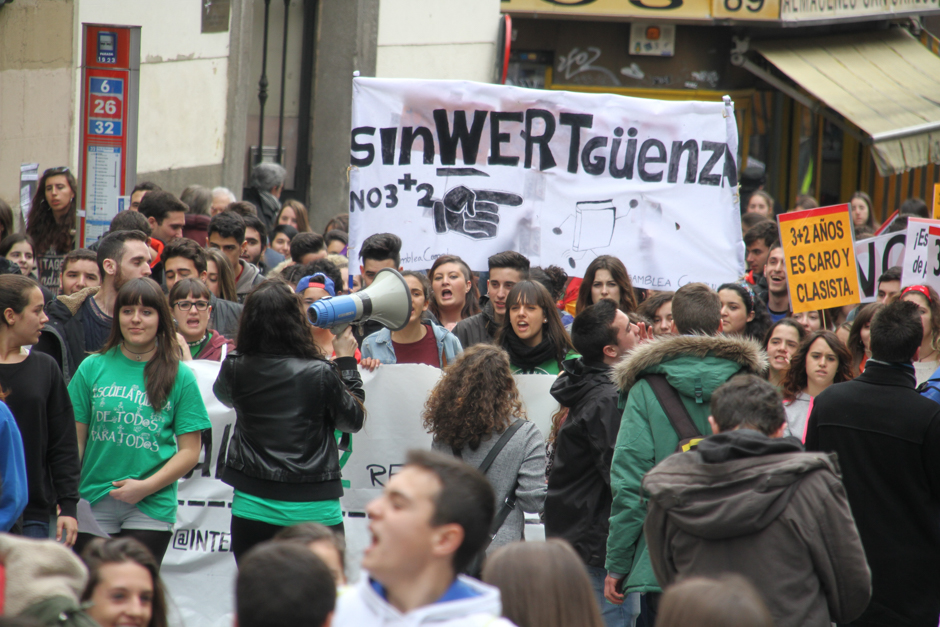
{"points": [[886, 83]]}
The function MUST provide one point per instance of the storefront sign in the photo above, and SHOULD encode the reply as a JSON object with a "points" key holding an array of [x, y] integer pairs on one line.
{"points": [[652, 9], [735, 10], [808, 10], [922, 257], [819, 251]]}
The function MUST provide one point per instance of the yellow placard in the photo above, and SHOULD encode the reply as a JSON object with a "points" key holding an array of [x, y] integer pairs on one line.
{"points": [[650, 9], [746, 9], [820, 256], [936, 201]]}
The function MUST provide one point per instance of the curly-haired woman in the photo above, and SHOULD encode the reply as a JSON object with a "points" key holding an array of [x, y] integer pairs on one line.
{"points": [[821, 360], [468, 410]]}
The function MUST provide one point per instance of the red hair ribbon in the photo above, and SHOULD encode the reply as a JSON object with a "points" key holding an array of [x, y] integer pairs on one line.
{"points": [[920, 289]]}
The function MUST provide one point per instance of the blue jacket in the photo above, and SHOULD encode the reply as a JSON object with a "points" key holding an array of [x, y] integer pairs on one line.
{"points": [[931, 387], [13, 490], [379, 346]]}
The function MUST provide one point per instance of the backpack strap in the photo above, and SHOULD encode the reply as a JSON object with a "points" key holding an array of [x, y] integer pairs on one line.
{"points": [[669, 399]]}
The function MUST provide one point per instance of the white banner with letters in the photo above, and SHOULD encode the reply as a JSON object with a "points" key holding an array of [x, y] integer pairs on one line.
{"points": [[199, 568], [875, 255], [474, 169]]}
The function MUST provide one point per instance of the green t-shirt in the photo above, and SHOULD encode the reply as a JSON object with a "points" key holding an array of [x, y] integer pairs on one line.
{"points": [[286, 513], [127, 439]]}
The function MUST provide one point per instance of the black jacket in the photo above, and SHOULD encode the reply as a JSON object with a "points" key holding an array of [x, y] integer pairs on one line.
{"points": [[887, 438], [225, 316], [63, 336], [577, 507], [477, 329], [286, 409]]}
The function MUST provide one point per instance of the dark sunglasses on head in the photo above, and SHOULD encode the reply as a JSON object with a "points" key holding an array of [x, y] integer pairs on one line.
{"points": [[52, 171]]}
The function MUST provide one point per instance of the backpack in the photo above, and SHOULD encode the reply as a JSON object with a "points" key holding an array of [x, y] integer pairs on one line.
{"points": [[678, 415]]}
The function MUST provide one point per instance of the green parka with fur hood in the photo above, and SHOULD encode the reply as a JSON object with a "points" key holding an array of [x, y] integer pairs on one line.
{"points": [[695, 365]]}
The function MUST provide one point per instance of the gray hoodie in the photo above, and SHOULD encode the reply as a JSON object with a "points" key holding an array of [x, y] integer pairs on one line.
{"points": [[757, 506]]}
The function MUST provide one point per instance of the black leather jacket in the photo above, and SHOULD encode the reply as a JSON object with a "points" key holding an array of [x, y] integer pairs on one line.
{"points": [[283, 446]]}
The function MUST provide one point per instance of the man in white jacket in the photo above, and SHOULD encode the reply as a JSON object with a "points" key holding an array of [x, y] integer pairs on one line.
{"points": [[428, 525]]}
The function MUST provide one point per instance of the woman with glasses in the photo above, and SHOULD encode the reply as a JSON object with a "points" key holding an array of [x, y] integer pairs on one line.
{"points": [[189, 302], [51, 222]]}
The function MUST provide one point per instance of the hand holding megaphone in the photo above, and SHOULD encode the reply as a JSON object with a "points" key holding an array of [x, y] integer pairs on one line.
{"points": [[387, 300]]}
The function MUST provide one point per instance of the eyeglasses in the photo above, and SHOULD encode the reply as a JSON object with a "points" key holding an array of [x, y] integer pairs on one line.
{"points": [[60, 170], [186, 305]]}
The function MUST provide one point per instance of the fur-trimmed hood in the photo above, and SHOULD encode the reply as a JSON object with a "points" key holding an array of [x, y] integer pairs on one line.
{"points": [[745, 352], [75, 301]]}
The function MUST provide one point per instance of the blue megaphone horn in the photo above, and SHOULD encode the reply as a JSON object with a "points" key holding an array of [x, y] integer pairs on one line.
{"points": [[387, 300]]}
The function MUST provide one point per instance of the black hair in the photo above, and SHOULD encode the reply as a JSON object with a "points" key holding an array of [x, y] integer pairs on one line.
{"points": [[160, 372], [336, 234], [112, 247], [188, 249], [146, 186], [757, 327], [273, 323], [185, 287], [227, 224], [328, 268], [592, 330], [465, 498], [896, 332], [914, 207], [304, 244], [128, 220], [14, 293], [79, 254], [6, 219], [8, 242], [552, 277], [158, 205], [530, 292], [256, 223], [283, 583], [512, 260], [765, 230], [242, 208], [891, 274], [286, 229], [380, 247]]}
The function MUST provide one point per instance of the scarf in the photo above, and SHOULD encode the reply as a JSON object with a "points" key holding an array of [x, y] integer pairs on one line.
{"points": [[527, 357]]}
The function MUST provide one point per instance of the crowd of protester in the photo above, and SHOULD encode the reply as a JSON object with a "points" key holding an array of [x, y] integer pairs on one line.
{"points": [[714, 459]]}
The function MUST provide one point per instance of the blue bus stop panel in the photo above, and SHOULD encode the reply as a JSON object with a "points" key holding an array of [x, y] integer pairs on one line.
{"points": [[107, 86], [110, 128]]}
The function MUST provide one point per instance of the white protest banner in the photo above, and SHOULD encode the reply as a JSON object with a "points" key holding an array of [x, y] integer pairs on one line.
{"points": [[199, 568], [875, 255], [474, 169], [922, 254]]}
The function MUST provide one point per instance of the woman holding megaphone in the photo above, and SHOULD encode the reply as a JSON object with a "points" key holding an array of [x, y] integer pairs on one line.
{"points": [[288, 398]]}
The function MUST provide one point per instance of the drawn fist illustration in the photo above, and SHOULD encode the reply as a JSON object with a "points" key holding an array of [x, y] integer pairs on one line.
{"points": [[474, 213]]}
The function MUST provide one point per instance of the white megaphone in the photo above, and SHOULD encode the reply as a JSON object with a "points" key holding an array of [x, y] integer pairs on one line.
{"points": [[386, 300]]}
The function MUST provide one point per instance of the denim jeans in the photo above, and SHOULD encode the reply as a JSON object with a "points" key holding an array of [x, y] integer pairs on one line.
{"points": [[614, 615], [36, 529]]}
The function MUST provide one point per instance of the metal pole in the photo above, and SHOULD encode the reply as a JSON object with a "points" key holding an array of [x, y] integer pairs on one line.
{"points": [[280, 121], [263, 83]]}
